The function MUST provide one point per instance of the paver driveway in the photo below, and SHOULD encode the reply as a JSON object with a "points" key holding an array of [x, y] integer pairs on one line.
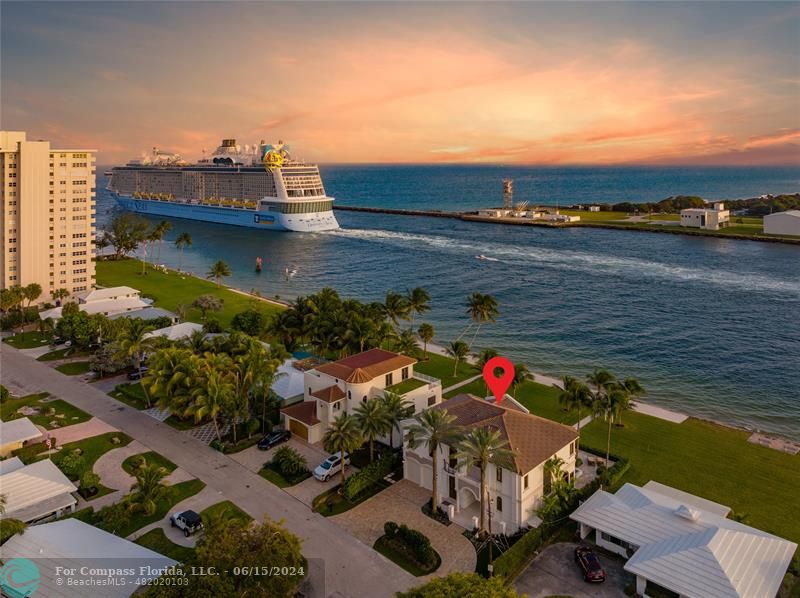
{"points": [[402, 503], [554, 572]]}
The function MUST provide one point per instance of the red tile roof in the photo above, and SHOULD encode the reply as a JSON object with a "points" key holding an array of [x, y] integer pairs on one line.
{"points": [[305, 412], [366, 366], [330, 394], [533, 439]]}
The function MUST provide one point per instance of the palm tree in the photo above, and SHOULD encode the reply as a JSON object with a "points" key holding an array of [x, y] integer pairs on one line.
{"points": [[599, 379], [426, 333], [183, 240], [134, 344], [433, 428], [359, 332], [633, 389], [148, 489], [158, 234], [396, 307], [575, 396], [521, 373], [211, 396], [552, 472], [171, 376], [481, 359], [373, 421], [342, 436], [31, 293], [480, 447], [458, 350], [218, 271], [609, 405], [481, 309], [59, 294], [406, 343], [418, 302], [398, 409]]}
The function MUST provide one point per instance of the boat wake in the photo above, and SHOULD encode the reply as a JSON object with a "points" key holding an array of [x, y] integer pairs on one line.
{"points": [[590, 263]]}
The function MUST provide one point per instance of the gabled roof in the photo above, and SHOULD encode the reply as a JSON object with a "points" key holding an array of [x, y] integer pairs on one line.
{"points": [[331, 394], [305, 412], [533, 439], [71, 543], [108, 293], [28, 487], [793, 213], [366, 366], [18, 430], [177, 331], [686, 548]]}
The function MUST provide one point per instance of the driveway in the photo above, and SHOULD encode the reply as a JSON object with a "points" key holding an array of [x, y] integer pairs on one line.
{"points": [[402, 503], [554, 572], [87, 429], [109, 384], [253, 458]]}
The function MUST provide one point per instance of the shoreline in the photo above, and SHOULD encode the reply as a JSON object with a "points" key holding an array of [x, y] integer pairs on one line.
{"points": [[654, 228]]}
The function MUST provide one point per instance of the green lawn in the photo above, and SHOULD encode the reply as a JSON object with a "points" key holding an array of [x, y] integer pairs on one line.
{"points": [[64, 414], [595, 216], [172, 496], [75, 368], [331, 503], [129, 464], [156, 540], [711, 461], [271, 474], [406, 386], [171, 289], [61, 354], [539, 399], [225, 510], [441, 367], [130, 394], [28, 340]]}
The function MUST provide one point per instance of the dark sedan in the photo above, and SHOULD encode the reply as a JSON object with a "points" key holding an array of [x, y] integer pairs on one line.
{"points": [[590, 565], [273, 438]]}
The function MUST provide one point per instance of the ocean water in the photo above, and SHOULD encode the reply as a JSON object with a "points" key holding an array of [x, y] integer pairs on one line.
{"points": [[709, 326]]}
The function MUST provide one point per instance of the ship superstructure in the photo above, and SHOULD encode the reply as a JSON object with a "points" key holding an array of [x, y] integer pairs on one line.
{"points": [[259, 186]]}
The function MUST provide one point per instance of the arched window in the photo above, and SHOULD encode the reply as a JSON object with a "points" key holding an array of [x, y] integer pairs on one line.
{"points": [[349, 395], [364, 399]]}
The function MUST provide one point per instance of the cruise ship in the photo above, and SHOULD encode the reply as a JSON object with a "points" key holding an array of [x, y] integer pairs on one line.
{"points": [[259, 186]]}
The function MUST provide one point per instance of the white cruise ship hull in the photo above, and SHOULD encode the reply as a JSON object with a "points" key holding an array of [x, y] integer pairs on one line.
{"points": [[274, 221]]}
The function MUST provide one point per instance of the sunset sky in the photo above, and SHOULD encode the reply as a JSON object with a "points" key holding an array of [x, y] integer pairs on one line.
{"points": [[539, 83]]}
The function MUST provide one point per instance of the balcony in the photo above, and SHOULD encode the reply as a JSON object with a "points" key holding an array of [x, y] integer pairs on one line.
{"points": [[406, 386]]}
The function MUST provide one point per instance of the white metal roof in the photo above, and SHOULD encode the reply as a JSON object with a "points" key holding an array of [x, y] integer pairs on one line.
{"points": [[109, 293], [18, 430], [26, 487], [9, 465], [290, 383], [687, 545], [792, 213], [104, 306], [176, 332], [71, 543]]}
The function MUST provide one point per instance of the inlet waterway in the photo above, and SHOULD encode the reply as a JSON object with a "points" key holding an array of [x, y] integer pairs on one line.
{"points": [[709, 326]]}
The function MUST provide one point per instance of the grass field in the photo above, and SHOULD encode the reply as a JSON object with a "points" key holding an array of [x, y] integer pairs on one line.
{"points": [[130, 394], [75, 368], [152, 458], [224, 510], [172, 289], [588, 216], [442, 368], [271, 474], [156, 540], [539, 399], [711, 461], [62, 354], [64, 414], [28, 340]]}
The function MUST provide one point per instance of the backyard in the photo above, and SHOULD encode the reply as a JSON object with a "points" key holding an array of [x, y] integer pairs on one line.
{"points": [[170, 289], [441, 367]]}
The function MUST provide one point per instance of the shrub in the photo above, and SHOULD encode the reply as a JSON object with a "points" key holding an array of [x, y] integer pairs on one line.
{"points": [[515, 558], [372, 473], [89, 479], [4, 394], [289, 462], [115, 517], [418, 544], [250, 321], [212, 326], [390, 529], [72, 465]]}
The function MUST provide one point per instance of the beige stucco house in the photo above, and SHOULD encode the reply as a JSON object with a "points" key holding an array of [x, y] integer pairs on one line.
{"points": [[513, 494], [340, 386]]}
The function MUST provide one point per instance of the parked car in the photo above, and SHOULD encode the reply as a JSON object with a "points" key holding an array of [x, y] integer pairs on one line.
{"points": [[590, 565], [138, 374], [330, 466], [189, 521], [57, 340], [274, 438]]}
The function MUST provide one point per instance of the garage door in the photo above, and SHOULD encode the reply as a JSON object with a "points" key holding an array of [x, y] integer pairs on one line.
{"points": [[298, 429]]}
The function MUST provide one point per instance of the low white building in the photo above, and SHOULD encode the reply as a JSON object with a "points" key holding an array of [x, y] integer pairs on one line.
{"points": [[37, 491], [340, 386], [515, 494], [594, 208], [706, 218], [71, 544], [783, 223], [109, 302], [15, 433], [684, 544], [177, 332], [494, 212]]}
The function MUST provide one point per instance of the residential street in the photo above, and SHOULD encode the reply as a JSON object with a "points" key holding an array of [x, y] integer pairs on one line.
{"points": [[350, 568]]}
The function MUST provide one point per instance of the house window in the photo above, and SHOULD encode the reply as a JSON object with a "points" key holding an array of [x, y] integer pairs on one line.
{"points": [[499, 504], [404, 374], [388, 379], [525, 482], [349, 396], [337, 406], [452, 461], [431, 401], [309, 390], [499, 471], [572, 448], [451, 486], [364, 399]]}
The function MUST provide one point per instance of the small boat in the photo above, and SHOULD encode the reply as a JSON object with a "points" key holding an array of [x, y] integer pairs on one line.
{"points": [[483, 257], [258, 264], [108, 172]]}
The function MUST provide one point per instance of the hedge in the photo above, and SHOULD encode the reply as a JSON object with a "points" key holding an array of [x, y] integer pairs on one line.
{"points": [[369, 475], [417, 543]]}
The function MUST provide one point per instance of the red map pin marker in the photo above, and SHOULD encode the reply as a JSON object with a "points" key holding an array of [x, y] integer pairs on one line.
{"points": [[500, 385]]}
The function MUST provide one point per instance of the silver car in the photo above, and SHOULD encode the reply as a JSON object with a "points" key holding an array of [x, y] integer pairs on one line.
{"points": [[330, 466]]}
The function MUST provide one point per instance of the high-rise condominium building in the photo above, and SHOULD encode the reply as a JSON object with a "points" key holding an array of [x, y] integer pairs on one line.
{"points": [[47, 221]]}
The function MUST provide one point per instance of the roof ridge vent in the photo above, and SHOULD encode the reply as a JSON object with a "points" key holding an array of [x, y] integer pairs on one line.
{"points": [[687, 513]]}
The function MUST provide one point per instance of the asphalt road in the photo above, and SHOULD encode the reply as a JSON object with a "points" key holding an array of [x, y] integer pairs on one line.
{"points": [[350, 568]]}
